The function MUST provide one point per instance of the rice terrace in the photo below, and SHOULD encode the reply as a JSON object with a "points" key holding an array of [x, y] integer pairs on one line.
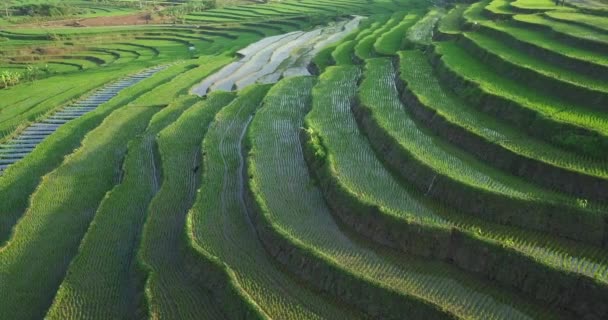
{"points": [[303, 159]]}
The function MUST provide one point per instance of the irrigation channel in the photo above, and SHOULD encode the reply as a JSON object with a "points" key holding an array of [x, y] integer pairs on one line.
{"points": [[20, 146], [276, 57]]}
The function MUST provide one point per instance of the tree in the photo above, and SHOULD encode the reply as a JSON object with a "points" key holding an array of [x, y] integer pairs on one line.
{"points": [[9, 78], [7, 5]]}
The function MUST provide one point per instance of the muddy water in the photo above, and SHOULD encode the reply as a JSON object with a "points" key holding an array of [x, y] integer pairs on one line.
{"points": [[276, 57]]}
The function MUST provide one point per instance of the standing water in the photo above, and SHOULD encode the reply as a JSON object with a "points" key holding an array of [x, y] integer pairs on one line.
{"points": [[273, 58]]}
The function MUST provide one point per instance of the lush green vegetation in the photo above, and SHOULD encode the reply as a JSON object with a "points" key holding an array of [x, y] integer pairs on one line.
{"points": [[219, 224], [303, 159], [121, 215], [299, 218], [162, 253], [48, 235]]}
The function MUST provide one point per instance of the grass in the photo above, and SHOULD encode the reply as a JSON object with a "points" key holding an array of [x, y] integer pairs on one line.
{"points": [[297, 215], [112, 292], [36, 258]]}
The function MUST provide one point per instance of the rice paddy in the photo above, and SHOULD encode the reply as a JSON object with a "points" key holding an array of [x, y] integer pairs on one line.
{"points": [[303, 159]]}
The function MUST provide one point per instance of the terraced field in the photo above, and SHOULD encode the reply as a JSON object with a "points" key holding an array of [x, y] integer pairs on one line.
{"points": [[304, 159]]}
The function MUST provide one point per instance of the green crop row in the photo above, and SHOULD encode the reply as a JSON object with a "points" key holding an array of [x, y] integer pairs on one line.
{"points": [[19, 181], [551, 78], [220, 223], [389, 41], [451, 23], [568, 32], [110, 244], [511, 150], [295, 220], [539, 43], [408, 205], [570, 125], [206, 65], [35, 259], [499, 9], [534, 5], [26, 103], [598, 23], [365, 45], [386, 208], [422, 32], [172, 285]]}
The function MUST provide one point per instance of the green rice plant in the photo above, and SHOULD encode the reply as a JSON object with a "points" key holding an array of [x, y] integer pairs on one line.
{"points": [[270, 10], [535, 39], [365, 45], [497, 196], [409, 132], [324, 58], [344, 52], [391, 41], [451, 23], [422, 31], [63, 66], [219, 224], [429, 92], [385, 206], [35, 259], [109, 246], [500, 9], [23, 104], [581, 129], [535, 5], [19, 180], [180, 85], [572, 33], [28, 103], [598, 23], [550, 77], [427, 89], [172, 287], [293, 218]]}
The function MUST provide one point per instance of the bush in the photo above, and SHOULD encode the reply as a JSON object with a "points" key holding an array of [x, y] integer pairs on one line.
{"points": [[44, 10]]}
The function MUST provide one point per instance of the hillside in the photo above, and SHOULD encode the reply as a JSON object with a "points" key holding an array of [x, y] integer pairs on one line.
{"points": [[304, 159]]}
